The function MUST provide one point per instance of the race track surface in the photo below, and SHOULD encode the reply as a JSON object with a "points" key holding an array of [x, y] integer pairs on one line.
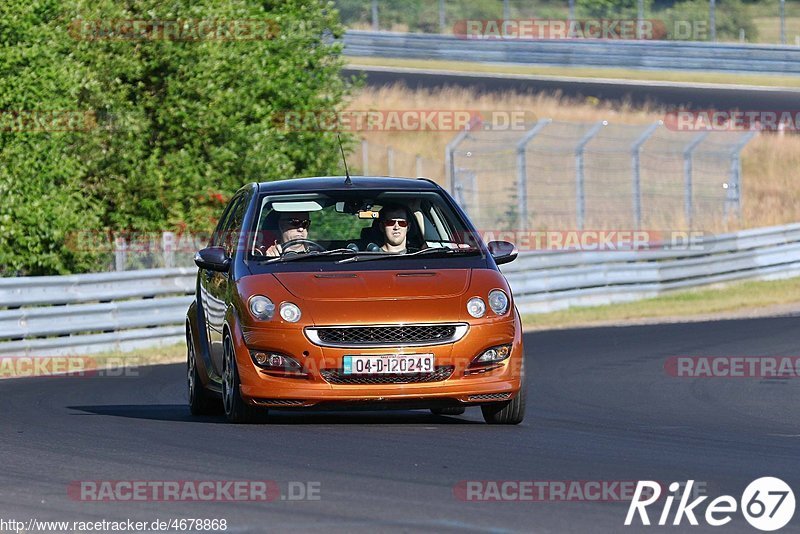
{"points": [[671, 95], [601, 407]]}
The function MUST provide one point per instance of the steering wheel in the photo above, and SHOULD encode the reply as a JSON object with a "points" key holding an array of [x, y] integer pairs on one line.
{"points": [[313, 245]]}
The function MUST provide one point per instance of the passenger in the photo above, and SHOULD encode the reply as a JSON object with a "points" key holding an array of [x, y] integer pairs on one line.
{"points": [[291, 225]]}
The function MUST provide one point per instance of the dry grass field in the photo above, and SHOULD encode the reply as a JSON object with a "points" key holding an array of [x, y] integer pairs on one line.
{"points": [[770, 162]]}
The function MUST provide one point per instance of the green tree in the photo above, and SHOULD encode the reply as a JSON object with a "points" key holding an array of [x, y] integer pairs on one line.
{"points": [[180, 124]]}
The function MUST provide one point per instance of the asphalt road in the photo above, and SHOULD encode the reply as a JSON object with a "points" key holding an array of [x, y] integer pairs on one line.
{"points": [[670, 95], [601, 408]]}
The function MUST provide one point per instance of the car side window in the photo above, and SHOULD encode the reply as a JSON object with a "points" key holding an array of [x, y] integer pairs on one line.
{"points": [[219, 232], [233, 227]]}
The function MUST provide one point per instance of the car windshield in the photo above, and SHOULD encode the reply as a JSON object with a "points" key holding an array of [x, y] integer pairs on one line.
{"points": [[348, 226]]}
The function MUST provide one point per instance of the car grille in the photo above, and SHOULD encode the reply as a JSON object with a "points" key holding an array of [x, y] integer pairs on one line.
{"points": [[390, 335], [490, 396], [335, 376]]}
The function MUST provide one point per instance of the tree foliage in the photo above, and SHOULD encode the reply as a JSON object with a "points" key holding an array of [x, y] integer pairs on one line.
{"points": [[178, 125]]}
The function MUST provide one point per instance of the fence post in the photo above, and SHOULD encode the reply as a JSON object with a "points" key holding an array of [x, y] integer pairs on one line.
{"points": [[120, 253], [522, 172], [168, 248], [783, 21], [390, 161], [364, 157], [734, 185], [580, 208], [449, 159], [688, 201], [375, 25], [712, 19], [418, 166], [636, 149]]}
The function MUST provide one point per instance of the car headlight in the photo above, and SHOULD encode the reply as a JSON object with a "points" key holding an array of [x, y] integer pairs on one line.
{"points": [[476, 307], [290, 312], [498, 301], [261, 308], [494, 354]]}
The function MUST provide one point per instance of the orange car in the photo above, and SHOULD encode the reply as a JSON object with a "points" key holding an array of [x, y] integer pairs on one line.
{"points": [[365, 292]]}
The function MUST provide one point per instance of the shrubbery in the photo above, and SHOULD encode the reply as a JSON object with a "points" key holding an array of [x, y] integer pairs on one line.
{"points": [[180, 125]]}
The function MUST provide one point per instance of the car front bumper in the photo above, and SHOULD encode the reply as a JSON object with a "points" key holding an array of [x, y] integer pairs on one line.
{"points": [[460, 387]]}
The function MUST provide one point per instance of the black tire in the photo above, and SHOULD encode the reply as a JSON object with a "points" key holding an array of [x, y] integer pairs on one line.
{"points": [[236, 409], [200, 401], [506, 413], [450, 410]]}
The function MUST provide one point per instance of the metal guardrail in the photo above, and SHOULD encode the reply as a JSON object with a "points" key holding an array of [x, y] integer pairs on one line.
{"points": [[669, 55], [85, 313], [78, 314], [550, 281]]}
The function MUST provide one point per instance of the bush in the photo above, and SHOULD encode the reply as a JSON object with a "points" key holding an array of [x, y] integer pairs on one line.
{"points": [[180, 124], [731, 16]]}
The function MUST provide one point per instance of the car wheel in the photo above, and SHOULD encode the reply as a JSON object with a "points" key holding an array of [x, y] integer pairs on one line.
{"points": [[450, 410], [506, 413], [200, 402], [236, 409]]}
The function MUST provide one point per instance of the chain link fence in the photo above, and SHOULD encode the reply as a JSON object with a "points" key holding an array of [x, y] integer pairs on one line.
{"points": [[597, 176], [554, 175]]}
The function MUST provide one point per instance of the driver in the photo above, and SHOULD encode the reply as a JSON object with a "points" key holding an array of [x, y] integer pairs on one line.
{"points": [[394, 227], [292, 225]]}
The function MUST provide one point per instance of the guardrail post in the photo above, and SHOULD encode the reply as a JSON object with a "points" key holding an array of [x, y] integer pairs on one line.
{"points": [[390, 161], [522, 172], [364, 157], [637, 178], [688, 200], [734, 185], [580, 208], [449, 159], [120, 253], [375, 25]]}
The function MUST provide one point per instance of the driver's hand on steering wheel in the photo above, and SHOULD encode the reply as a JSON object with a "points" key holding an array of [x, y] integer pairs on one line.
{"points": [[275, 250]]}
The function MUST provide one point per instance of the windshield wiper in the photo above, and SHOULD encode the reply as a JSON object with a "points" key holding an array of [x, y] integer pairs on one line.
{"points": [[424, 251], [306, 255]]}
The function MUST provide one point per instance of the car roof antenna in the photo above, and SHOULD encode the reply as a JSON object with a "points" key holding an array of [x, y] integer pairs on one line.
{"points": [[347, 181]]}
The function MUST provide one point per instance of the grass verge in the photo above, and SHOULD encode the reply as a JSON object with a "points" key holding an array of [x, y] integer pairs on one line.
{"points": [[113, 363], [741, 299], [584, 72]]}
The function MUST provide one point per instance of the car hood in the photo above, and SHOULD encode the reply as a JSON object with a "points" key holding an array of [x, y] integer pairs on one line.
{"points": [[376, 285]]}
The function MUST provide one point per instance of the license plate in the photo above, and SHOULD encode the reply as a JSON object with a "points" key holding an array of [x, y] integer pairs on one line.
{"points": [[383, 364]]}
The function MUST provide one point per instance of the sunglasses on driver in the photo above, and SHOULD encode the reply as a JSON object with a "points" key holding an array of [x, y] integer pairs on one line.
{"points": [[402, 223], [296, 223]]}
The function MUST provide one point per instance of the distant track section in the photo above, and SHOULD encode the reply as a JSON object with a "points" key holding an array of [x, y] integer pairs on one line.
{"points": [[666, 94]]}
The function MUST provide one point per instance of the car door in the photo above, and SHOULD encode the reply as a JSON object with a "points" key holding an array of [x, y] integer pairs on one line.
{"points": [[218, 284], [211, 305]]}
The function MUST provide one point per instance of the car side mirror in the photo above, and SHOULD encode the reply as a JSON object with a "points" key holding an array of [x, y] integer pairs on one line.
{"points": [[502, 251], [213, 259]]}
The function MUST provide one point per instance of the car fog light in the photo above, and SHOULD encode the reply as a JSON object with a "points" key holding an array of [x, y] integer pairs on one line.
{"points": [[290, 312], [494, 354], [498, 301], [476, 307], [261, 307], [273, 361]]}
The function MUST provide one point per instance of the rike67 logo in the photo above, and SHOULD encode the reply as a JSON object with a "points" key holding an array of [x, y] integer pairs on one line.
{"points": [[767, 504]]}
